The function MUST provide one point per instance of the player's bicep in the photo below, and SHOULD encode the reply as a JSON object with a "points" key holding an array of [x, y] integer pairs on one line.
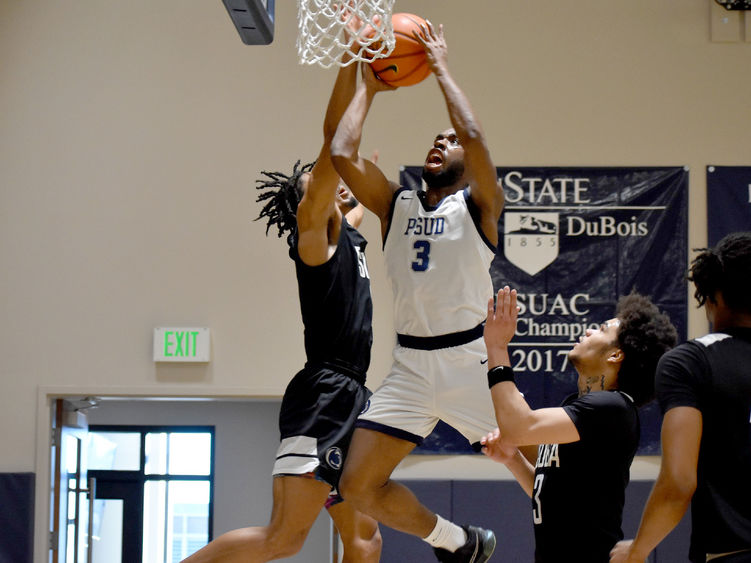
{"points": [[548, 426], [313, 246], [321, 183], [313, 213], [367, 183], [681, 440], [485, 189]]}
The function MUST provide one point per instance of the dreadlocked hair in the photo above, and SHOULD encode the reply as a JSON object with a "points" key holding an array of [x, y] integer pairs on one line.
{"points": [[644, 335], [282, 197], [725, 268]]}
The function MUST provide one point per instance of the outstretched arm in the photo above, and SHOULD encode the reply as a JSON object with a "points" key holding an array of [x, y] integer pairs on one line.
{"points": [[318, 202], [518, 423], [364, 178], [356, 215], [675, 485], [484, 188]]}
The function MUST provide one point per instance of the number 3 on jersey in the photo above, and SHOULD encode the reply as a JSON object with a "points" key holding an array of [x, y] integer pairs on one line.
{"points": [[537, 507], [422, 257]]}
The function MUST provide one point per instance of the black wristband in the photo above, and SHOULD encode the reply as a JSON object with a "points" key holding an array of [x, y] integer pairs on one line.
{"points": [[500, 373]]}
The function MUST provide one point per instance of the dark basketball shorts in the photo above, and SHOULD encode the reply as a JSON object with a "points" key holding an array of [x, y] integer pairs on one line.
{"points": [[316, 421]]}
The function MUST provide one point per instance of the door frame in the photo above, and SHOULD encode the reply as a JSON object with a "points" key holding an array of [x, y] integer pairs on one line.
{"points": [[46, 396]]}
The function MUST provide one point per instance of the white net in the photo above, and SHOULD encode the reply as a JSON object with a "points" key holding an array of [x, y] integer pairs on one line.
{"points": [[330, 28]]}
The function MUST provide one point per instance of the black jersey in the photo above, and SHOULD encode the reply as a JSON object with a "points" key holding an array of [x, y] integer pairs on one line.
{"points": [[713, 374], [335, 303], [579, 488]]}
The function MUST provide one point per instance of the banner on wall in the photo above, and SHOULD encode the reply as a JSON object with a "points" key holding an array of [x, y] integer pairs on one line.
{"points": [[728, 201], [571, 241]]}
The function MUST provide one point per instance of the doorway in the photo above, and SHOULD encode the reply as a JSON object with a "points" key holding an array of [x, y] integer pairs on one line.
{"points": [[154, 491], [246, 438]]}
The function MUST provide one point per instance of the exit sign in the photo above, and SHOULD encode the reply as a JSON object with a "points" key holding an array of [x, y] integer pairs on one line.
{"points": [[178, 344]]}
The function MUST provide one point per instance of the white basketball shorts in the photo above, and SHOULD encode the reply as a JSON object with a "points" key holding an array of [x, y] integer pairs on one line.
{"points": [[424, 386]]}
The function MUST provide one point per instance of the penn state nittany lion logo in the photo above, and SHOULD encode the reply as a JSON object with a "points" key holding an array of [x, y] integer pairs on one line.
{"points": [[531, 240], [334, 457], [365, 407]]}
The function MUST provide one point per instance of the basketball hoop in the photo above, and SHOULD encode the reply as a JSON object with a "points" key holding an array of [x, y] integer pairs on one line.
{"points": [[325, 31]]}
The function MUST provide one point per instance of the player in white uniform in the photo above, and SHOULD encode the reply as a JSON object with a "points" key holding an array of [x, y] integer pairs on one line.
{"points": [[437, 260], [438, 246]]}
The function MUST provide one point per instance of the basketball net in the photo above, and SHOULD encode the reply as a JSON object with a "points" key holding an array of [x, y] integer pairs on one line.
{"points": [[327, 31]]}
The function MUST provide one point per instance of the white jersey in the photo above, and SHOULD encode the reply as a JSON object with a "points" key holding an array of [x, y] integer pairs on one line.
{"points": [[438, 261]]}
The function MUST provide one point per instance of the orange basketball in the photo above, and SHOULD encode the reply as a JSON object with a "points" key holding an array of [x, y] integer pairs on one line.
{"points": [[406, 65]]}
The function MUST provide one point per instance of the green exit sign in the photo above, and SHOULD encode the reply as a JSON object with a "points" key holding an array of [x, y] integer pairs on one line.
{"points": [[180, 344]]}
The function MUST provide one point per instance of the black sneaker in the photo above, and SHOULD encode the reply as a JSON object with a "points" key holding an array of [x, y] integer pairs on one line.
{"points": [[478, 549]]}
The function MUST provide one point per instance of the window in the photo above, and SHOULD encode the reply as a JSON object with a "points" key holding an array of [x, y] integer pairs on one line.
{"points": [[170, 472]]}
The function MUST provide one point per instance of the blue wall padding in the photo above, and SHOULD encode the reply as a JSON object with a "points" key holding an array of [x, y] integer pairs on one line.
{"points": [[16, 517], [503, 507]]}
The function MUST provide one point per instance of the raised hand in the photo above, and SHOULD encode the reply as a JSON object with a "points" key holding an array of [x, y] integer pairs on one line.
{"points": [[500, 325], [495, 450], [434, 44], [372, 82], [356, 32]]}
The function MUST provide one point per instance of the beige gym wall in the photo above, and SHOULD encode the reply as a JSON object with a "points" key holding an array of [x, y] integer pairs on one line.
{"points": [[131, 134]]}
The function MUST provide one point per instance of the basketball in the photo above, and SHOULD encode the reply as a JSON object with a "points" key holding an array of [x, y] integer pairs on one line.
{"points": [[407, 64]]}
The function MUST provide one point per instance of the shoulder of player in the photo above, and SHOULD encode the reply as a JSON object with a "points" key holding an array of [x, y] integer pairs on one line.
{"points": [[711, 339], [402, 193], [602, 411], [490, 197], [682, 358], [605, 399]]}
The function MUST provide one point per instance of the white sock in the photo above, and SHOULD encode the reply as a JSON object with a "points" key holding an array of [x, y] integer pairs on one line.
{"points": [[446, 535]]}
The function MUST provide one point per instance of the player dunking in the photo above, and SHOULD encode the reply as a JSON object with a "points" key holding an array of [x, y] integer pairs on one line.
{"points": [[438, 246], [323, 400]]}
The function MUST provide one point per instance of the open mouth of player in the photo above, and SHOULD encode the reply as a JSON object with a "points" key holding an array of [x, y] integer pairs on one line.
{"points": [[434, 157]]}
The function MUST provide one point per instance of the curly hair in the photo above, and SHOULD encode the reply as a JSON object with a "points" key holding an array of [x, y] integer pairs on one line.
{"points": [[283, 195], [725, 268], [645, 334]]}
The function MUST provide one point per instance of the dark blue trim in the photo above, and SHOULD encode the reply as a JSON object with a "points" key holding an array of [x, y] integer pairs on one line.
{"points": [[391, 212], [390, 430], [474, 212], [297, 455], [440, 341], [425, 205]]}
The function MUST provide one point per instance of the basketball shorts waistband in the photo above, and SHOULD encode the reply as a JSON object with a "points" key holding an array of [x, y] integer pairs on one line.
{"points": [[339, 366], [440, 341]]}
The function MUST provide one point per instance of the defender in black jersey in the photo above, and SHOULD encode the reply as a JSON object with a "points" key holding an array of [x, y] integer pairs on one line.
{"points": [[323, 400], [585, 447], [704, 388]]}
